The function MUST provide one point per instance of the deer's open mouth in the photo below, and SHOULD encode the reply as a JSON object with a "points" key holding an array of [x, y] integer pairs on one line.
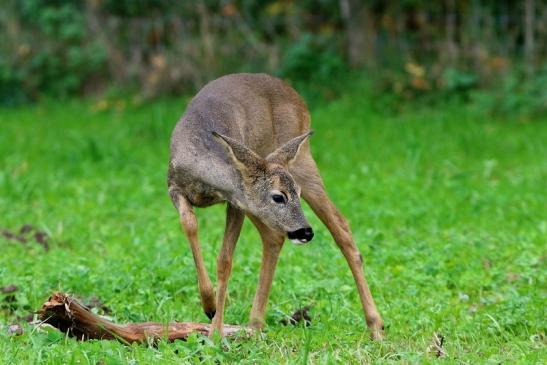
{"points": [[301, 236]]}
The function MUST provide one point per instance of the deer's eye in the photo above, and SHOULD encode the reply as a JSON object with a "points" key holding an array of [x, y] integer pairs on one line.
{"points": [[278, 198]]}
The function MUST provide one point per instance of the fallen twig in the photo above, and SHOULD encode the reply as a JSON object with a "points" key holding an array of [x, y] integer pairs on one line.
{"points": [[70, 316]]}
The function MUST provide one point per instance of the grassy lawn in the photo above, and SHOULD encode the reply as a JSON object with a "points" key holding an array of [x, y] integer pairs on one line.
{"points": [[448, 207]]}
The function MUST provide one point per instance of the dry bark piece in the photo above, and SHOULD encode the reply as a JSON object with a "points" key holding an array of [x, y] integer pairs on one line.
{"points": [[300, 315], [40, 237], [436, 346], [69, 316], [26, 228], [8, 234], [13, 237]]}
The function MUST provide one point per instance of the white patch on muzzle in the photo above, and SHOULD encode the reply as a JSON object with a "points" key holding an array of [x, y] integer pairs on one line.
{"points": [[299, 242]]}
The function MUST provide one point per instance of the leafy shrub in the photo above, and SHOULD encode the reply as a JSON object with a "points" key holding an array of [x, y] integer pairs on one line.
{"points": [[511, 93], [131, 8], [50, 53], [313, 66], [436, 82], [458, 83], [11, 80], [515, 94]]}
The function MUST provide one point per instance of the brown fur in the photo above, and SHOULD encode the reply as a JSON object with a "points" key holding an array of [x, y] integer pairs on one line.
{"points": [[243, 139]]}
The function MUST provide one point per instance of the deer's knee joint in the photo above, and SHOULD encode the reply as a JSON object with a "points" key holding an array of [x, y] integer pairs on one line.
{"points": [[223, 274], [356, 257], [352, 253], [224, 266]]}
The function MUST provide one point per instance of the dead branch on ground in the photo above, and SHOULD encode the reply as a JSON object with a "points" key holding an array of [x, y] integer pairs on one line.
{"points": [[70, 316]]}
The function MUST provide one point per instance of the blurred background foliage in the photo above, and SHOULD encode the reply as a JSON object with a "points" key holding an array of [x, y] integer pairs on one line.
{"points": [[489, 52]]}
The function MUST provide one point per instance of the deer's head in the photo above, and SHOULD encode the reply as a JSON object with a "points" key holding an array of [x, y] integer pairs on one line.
{"points": [[270, 192]]}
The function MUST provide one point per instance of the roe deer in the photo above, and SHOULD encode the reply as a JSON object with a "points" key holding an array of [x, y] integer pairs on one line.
{"points": [[243, 141]]}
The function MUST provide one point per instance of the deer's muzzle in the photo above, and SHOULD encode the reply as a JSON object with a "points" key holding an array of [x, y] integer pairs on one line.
{"points": [[301, 235]]}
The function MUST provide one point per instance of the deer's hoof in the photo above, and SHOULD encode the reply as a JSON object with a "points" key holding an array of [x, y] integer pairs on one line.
{"points": [[256, 325], [377, 331], [210, 314], [377, 335]]}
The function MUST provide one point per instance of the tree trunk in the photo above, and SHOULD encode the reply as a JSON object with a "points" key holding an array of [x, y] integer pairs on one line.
{"points": [[359, 33], [529, 15], [451, 46]]}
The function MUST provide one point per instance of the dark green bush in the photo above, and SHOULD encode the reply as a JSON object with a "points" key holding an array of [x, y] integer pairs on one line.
{"points": [[54, 56], [60, 48], [314, 67], [11, 81], [515, 95], [458, 83]]}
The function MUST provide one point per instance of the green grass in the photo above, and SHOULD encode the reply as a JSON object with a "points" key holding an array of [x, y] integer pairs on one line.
{"points": [[447, 206]]}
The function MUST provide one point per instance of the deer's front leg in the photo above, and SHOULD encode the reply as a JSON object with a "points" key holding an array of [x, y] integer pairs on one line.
{"points": [[339, 228], [272, 242], [234, 221], [313, 191], [189, 224]]}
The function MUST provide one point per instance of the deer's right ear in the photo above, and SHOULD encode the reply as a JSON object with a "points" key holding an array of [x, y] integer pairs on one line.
{"points": [[244, 158], [287, 153]]}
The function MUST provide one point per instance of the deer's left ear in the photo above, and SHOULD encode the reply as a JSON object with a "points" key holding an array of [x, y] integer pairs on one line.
{"points": [[287, 153], [245, 160]]}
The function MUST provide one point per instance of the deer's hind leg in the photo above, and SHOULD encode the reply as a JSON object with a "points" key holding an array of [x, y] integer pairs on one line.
{"points": [[313, 191], [189, 224]]}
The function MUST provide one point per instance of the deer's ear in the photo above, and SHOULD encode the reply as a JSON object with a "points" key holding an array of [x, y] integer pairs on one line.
{"points": [[244, 158], [287, 153]]}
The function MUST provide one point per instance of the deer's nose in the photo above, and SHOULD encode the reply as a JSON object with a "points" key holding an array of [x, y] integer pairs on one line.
{"points": [[301, 235]]}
